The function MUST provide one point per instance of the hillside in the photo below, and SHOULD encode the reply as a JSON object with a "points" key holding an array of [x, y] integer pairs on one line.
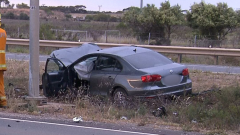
{"points": [[43, 14], [52, 14]]}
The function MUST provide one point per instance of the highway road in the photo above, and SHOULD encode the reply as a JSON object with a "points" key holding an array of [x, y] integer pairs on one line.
{"points": [[11, 126], [210, 68]]}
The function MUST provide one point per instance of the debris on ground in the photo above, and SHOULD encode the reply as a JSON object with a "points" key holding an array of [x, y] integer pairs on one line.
{"points": [[77, 119], [10, 84], [194, 121], [124, 118], [58, 110], [161, 111], [175, 113]]}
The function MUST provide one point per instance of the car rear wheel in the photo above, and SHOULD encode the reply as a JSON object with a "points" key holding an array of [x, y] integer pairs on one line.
{"points": [[120, 97]]}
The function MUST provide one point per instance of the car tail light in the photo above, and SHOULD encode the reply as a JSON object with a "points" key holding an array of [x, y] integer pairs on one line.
{"points": [[151, 78], [185, 72]]}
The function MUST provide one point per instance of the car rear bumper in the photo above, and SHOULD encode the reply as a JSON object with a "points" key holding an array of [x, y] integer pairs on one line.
{"points": [[182, 89]]}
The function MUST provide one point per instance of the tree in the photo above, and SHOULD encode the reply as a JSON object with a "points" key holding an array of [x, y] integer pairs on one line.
{"points": [[9, 15], [171, 16], [4, 1], [159, 22], [12, 6], [80, 7], [210, 21], [23, 16], [238, 15], [145, 21], [23, 5]]}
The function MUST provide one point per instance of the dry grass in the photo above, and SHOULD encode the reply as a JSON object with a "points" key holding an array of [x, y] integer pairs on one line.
{"points": [[112, 39], [101, 109], [207, 80], [119, 40], [17, 74]]}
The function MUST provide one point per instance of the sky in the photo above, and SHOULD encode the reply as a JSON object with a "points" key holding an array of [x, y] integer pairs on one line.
{"points": [[119, 5]]}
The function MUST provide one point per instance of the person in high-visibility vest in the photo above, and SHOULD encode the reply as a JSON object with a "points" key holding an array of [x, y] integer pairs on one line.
{"points": [[3, 67]]}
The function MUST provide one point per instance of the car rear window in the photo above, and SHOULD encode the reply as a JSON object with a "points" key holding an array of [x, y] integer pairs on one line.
{"points": [[147, 60]]}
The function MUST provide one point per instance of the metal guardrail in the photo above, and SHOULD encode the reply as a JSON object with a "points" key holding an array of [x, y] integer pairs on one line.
{"points": [[162, 49]]}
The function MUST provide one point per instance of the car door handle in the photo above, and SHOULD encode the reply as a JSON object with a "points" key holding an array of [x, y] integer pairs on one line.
{"points": [[109, 77]]}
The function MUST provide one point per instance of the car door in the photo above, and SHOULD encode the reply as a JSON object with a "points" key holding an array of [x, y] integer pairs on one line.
{"points": [[103, 75], [54, 77]]}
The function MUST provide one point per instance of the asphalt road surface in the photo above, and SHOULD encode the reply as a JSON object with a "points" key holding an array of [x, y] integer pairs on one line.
{"points": [[11, 126], [19, 127], [210, 68]]}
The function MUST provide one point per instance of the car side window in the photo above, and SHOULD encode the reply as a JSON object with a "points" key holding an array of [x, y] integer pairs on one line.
{"points": [[118, 66], [108, 64], [53, 66]]}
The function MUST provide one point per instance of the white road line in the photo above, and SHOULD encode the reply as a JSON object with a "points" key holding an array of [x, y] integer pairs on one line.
{"points": [[103, 129]]}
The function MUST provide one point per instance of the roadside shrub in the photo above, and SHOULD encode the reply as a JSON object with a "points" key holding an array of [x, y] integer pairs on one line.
{"points": [[9, 15], [23, 16], [121, 25], [214, 110], [113, 19], [46, 33], [68, 16], [89, 17], [47, 10], [101, 17]]}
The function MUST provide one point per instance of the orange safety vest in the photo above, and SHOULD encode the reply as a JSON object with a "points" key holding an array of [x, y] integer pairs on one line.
{"points": [[3, 39]]}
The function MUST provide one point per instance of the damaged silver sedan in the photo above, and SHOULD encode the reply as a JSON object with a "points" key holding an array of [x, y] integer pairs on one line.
{"points": [[117, 72]]}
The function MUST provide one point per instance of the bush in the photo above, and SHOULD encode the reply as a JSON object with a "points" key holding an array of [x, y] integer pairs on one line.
{"points": [[101, 17], [23, 16], [46, 33], [9, 15], [121, 25], [89, 17], [68, 16], [215, 110], [113, 19], [47, 10]]}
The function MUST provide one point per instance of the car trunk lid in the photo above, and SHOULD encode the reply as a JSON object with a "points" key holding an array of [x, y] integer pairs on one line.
{"points": [[171, 74]]}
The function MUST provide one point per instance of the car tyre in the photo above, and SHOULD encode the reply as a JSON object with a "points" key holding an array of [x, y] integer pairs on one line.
{"points": [[120, 97]]}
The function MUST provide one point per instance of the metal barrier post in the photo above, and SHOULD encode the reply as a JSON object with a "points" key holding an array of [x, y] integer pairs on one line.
{"points": [[179, 58], [216, 60]]}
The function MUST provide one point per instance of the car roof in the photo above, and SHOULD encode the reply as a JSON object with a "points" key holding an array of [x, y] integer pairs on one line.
{"points": [[123, 51], [69, 55]]}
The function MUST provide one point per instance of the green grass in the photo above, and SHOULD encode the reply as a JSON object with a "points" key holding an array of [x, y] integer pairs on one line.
{"points": [[214, 110]]}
